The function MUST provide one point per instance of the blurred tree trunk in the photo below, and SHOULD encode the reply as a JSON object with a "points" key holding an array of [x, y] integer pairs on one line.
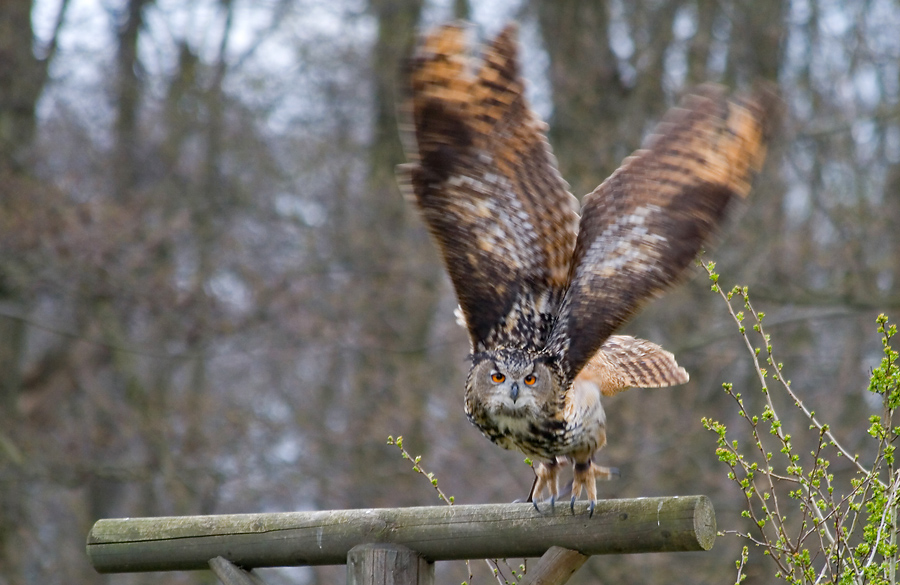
{"points": [[211, 200], [889, 267], [381, 244], [701, 45], [462, 9], [758, 33], [397, 20], [22, 79], [101, 313], [589, 97], [756, 53], [128, 96]]}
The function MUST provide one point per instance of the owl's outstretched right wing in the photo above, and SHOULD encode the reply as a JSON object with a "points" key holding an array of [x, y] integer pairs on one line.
{"points": [[486, 182], [643, 226]]}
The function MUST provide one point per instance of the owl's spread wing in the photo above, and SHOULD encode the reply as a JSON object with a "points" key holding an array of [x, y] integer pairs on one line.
{"points": [[624, 362], [486, 182], [643, 226]]}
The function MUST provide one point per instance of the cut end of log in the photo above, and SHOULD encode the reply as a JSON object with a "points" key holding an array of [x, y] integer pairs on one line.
{"points": [[705, 523]]}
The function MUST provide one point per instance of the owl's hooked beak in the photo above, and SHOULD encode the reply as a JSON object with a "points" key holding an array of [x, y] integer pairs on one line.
{"points": [[514, 391]]}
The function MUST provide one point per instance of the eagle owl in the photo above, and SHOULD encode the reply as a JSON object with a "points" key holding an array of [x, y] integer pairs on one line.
{"points": [[542, 290]]}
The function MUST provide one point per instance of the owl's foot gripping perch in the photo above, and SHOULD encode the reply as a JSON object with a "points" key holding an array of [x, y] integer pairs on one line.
{"points": [[545, 478], [586, 476]]}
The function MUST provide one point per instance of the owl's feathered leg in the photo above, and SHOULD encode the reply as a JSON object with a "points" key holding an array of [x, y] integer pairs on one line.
{"points": [[546, 475], [586, 475]]}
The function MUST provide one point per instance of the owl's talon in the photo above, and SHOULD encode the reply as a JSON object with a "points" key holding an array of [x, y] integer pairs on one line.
{"points": [[531, 494], [572, 505], [586, 476], [545, 478], [545, 512]]}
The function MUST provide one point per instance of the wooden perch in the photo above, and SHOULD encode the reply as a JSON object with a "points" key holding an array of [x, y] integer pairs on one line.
{"points": [[435, 533]]}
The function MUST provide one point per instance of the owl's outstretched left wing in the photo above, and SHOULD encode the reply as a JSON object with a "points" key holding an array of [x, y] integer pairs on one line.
{"points": [[624, 362], [643, 226], [487, 185]]}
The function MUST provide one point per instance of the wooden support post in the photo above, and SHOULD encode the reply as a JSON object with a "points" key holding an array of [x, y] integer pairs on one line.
{"points": [[387, 564], [437, 533]]}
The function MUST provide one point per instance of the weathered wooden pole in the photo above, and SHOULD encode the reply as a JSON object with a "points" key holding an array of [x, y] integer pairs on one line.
{"points": [[387, 564], [435, 533]]}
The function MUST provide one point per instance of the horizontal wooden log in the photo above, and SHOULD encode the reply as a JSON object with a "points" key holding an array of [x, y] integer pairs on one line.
{"points": [[437, 533]]}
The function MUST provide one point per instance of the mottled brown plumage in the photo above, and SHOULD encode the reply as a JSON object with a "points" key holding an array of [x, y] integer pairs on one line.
{"points": [[487, 185], [541, 290]]}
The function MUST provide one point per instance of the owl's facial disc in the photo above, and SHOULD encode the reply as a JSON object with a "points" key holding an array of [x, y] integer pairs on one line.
{"points": [[508, 392], [499, 379], [527, 381], [512, 382]]}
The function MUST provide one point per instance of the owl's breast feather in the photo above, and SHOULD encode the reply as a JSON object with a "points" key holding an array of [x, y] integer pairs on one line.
{"points": [[538, 435]]}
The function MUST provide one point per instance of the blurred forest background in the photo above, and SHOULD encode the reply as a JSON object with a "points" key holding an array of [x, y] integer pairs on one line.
{"points": [[213, 298]]}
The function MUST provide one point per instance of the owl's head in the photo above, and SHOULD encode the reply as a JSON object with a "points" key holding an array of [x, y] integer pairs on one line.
{"points": [[512, 382]]}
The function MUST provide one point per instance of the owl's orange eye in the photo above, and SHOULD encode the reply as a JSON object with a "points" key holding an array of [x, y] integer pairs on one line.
{"points": [[497, 377], [530, 379]]}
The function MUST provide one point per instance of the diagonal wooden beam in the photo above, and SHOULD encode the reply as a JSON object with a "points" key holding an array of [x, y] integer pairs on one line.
{"points": [[555, 567], [230, 574]]}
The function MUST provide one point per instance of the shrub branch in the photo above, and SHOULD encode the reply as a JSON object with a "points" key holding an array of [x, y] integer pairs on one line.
{"points": [[816, 534]]}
